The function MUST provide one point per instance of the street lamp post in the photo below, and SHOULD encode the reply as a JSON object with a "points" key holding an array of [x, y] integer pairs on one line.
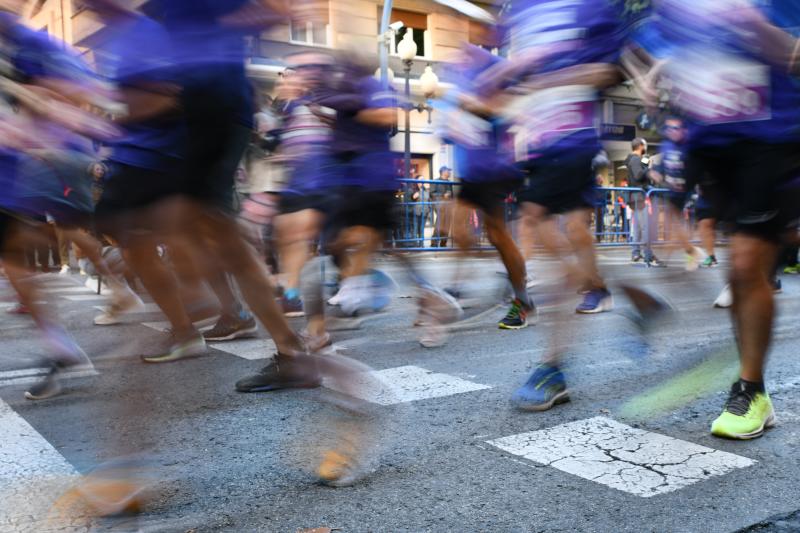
{"points": [[407, 50]]}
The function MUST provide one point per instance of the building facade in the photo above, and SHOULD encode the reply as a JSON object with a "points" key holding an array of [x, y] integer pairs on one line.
{"points": [[353, 25]]}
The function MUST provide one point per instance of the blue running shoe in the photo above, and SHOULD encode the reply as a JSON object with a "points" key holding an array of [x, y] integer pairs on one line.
{"points": [[545, 388], [595, 301]]}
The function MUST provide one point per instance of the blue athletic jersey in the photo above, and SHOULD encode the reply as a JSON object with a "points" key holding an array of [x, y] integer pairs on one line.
{"points": [[567, 33], [137, 55], [31, 54], [673, 166], [483, 147], [719, 80], [211, 51]]}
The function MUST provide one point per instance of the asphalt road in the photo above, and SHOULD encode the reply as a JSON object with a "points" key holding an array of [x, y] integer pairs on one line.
{"points": [[630, 452]]}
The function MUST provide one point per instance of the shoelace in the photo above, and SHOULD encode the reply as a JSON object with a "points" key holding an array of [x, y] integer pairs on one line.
{"points": [[515, 311], [739, 401]]}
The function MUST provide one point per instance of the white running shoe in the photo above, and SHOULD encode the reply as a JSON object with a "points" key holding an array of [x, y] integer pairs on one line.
{"points": [[725, 298], [64, 270], [123, 302]]}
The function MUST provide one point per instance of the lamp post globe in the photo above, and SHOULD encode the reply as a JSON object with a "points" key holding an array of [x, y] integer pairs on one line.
{"points": [[407, 48], [429, 82]]}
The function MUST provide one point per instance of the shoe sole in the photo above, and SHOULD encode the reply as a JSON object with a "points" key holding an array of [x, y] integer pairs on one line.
{"points": [[282, 386], [768, 423], [602, 308], [56, 392], [170, 359], [249, 332], [506, 326], [294, 314], [561, 397], [109, 323]]}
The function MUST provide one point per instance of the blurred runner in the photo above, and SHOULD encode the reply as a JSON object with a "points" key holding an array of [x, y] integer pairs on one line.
{"points": [[488, 176], [743, 140], [44, 161], [559, 62]]}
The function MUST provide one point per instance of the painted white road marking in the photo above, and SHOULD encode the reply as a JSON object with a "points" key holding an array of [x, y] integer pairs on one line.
{"points": [[33, 475], [35, 378], [68, 290], [621, 457], [252, 349], [161, 326], [148, 308], [408, 384], [86, 297], [11, 374]]}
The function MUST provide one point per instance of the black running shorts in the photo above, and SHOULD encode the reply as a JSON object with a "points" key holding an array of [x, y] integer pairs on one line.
{"points": [[754, 184], [560, 183]]}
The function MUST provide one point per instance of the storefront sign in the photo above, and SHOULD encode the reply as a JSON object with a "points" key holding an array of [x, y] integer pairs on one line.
{"points": [[617, 132]]}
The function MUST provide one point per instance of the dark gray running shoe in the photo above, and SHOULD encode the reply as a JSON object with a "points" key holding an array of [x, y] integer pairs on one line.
{"points": [[231, 327], [283, 372]]}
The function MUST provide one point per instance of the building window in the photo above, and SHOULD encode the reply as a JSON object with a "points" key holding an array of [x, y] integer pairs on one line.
{"points": [[417, 24], [312, 31]]}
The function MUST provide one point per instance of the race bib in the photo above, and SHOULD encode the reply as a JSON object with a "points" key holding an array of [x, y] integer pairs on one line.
{"points": [[718, 88], [549, 115]]}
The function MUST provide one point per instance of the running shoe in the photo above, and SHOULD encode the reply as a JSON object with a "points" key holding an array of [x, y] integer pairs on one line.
{"points": [[517, 316], [655, 262], [710, 262], [343, 467], [125, 301], [595, 301], [694, 259], [777, 286], [436, 310], [336, 299], [747, 414], [545, 388], [228, 328], [50, 385], [317, 344], [191, 346], [18, 309], [792, 270], [64, 270], [283, 372], [366, 294], [725, 298], [637, 258], [292, 308]]}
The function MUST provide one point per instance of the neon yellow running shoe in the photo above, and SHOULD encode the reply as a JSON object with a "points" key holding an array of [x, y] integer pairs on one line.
{"points": [[747, 414]]}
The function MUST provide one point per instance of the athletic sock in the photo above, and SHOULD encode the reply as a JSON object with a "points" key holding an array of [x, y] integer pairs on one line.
{"points": [[292, 294], [752, 386], [521, 294]]}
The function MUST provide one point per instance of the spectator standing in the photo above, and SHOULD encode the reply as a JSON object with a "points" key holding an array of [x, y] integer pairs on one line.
{"points": [[643, 227], [441, 195], [421, 197]]}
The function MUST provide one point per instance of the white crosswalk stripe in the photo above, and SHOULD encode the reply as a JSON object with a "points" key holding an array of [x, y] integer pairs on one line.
{"points": [[33, 475], [621, 457], [251, 349], [409, 384], [86, 297]]}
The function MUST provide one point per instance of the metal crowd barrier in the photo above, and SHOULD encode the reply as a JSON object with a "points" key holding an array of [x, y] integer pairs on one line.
{"points": [[425, 219]]}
